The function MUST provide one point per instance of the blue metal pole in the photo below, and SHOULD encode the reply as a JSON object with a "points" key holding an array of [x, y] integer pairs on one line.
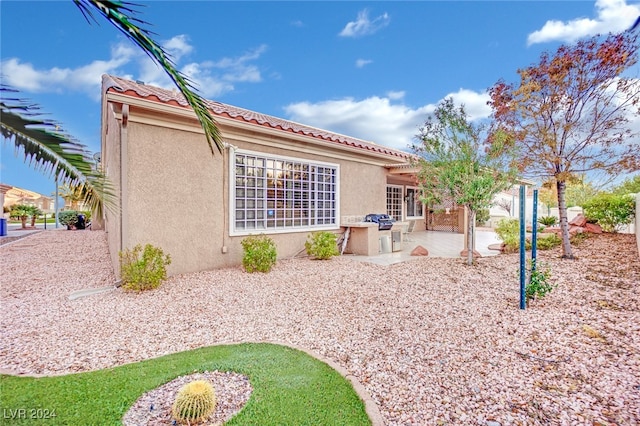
{"points": [[523, 250], [534, 235]]}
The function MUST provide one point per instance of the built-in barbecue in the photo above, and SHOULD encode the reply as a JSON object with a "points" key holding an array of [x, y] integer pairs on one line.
{"points": [[384, 221]]}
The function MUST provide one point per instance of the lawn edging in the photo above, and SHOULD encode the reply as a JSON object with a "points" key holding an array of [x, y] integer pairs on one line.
{"points": [[370, 408]]}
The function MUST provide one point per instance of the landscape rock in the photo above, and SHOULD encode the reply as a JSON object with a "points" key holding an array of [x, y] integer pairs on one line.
{"points": [[476, 254], [419, 251], [579, 220], [593, 228]]}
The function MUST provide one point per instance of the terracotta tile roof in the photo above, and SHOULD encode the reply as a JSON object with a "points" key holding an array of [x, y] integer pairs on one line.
{"points": [[174, 97]]}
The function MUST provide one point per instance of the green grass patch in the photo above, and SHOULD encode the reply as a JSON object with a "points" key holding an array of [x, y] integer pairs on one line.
{"points": [[289, 388]]}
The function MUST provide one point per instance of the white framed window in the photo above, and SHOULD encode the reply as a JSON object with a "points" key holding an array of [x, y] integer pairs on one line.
{"points": [[413, 205], [394, 201], [282, 194]]}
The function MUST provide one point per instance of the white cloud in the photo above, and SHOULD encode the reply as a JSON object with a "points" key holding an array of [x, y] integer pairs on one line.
{"points": [[363, 26], [211, 78], [178, 46], [475, 104], [87, 78], [377, 119], [395, 95], [612, 16], [360, 63]]}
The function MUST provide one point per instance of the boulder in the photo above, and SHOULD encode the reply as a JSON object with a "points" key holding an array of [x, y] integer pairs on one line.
{"points": [[593, 228], [579, 220], [464, 253], [552, 230], [573, 230], [419, 251]]}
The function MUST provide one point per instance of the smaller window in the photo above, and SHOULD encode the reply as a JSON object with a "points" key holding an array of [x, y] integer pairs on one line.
{"points": [[414, 206]]}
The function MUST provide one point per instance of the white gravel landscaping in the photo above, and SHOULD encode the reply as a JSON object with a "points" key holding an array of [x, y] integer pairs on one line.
{"points": [[434, 342]]}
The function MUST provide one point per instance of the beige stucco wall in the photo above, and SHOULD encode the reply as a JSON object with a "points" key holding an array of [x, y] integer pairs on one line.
{"points": [[112, 131], [174, 196], [175, 193]]}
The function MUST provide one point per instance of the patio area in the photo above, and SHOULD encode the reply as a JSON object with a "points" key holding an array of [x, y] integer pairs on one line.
{"points": [[438, 243]]}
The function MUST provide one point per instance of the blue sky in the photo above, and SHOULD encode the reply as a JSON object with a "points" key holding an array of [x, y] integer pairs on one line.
{"points": [[372, 70]]}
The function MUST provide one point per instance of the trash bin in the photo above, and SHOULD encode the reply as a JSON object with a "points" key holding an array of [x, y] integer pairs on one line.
{"points": [[385, 244], [3, 227], [80, 224]]}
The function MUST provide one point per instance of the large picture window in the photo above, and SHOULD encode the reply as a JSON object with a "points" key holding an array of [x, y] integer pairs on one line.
{"points": [[278, 194]]}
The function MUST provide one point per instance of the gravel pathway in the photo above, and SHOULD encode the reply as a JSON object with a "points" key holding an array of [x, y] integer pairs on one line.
{"points": [[433, 342]]}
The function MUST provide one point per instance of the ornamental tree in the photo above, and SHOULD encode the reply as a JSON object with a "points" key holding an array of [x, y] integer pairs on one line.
{"points": [[455, 163], [570, 113]]}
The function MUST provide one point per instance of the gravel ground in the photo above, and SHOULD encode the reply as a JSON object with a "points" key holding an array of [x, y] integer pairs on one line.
{"points": [[232, 392], [434, 342]]}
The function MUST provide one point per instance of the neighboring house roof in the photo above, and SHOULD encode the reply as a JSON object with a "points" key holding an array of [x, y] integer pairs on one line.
{"points": [[175, 98], [14, 195]]}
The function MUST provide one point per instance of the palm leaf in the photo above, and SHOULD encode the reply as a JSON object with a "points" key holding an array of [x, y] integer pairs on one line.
{"points": [[52, 151], [121, 15]]}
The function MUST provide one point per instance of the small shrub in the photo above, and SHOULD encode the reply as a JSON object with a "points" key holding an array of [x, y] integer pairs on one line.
{"points": [[610, 211], [195, 402], [143, 269], [577, 239], [322, 245], [548, 220], [68, 218], [539, 285], [259, 253], [548, 242], [509, 232]]}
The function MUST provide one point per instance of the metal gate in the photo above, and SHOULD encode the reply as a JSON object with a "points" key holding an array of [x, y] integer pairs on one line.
{"points": [[443, 217]]}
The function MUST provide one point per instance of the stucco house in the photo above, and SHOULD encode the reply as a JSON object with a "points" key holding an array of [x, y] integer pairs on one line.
{"points": [[276, 177]]}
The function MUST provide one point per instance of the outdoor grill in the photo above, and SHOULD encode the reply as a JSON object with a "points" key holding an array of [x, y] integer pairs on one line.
{"points": [[383, 220]]}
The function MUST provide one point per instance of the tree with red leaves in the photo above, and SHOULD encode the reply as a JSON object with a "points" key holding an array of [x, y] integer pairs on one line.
{"points": [[570, 114]]}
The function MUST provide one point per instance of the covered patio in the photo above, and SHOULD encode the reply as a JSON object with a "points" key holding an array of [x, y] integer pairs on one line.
{"points": [[438, 243]]}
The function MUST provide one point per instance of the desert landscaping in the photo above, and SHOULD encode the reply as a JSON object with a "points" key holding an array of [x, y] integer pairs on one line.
{"points": [[431, 340]]}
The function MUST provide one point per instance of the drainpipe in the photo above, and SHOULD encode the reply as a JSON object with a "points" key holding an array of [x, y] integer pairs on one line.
{"points": [[226, 178], [124, 169]]}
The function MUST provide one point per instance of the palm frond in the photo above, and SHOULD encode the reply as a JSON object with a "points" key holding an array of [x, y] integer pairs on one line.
{"points": [[121, 15], [49, 149]]}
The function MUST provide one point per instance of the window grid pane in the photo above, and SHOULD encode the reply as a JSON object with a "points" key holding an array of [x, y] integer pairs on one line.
{"points": [[278, 194], [394, 202]]}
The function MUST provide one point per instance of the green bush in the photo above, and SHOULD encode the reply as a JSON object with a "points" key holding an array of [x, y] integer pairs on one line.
{"points": [[322, 245], [509, 232], [482, 216], [68, 217], [143, 269], [259, 253], [610, 210], [548, 242], [548, 220], [538, 286]]}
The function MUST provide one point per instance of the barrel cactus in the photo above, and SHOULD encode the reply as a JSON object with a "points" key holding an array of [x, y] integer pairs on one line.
{"points": [[195, 402]]}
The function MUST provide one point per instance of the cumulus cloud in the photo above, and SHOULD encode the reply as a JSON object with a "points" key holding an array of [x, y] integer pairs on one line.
{"points": [[475, 104], [364, 26], [611, 16], [379, 119], [212, 78], [360, 63], [26, 77]]}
